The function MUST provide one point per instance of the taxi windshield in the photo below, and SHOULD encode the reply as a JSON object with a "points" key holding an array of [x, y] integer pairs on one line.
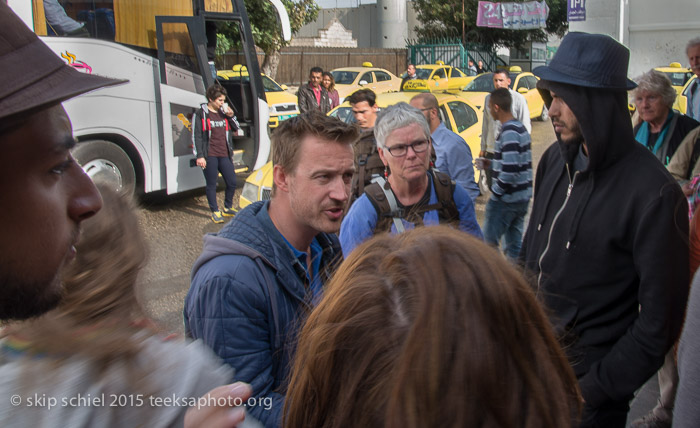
{"points": [[270, 85], [678, 78], [423, 73], [484, 83], [344, 77]]}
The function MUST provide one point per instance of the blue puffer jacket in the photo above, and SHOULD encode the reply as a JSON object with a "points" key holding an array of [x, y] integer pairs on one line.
{"points": [[248, 297]]}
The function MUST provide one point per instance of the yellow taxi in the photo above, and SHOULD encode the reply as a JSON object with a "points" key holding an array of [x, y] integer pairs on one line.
{"points": [[678, 75], [350, 79], [457, 114], [282, 103], [437, 77], [520, 81], [681, 103]]}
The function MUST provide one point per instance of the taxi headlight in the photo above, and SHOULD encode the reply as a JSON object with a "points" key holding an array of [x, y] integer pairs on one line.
{"points": [[250, 192]]}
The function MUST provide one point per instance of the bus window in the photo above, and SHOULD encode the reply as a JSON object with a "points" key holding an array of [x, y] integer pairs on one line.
{"points": [[78, 18], [179, 50], [221, 6]]}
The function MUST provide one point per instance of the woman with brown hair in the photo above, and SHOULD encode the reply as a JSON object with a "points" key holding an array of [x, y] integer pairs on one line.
{"points": [[97, 360], [328, 82], [430, 328]]}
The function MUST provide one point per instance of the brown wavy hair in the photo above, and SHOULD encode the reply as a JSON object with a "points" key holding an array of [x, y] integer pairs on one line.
{"points": [[331, 88], [430, 328]]}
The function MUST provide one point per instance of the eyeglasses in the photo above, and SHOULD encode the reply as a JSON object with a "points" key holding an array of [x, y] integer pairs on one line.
{"points": [[401, 149]]}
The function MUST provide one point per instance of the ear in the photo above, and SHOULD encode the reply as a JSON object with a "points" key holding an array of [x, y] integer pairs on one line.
{"points": [[382, 156], [434, 112], [280, 178]]}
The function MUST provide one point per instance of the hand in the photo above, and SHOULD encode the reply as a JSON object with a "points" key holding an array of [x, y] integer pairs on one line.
{"points": [[687, 188], [202, 163], [210, 415]]}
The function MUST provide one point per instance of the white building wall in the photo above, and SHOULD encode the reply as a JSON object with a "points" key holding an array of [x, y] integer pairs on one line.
{"points": [[334, 36], [391, 17], [363, 23], [655, 31], [602, 16]]}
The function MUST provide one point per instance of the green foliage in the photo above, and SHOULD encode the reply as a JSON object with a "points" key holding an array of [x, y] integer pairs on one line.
{"points": [[443, 18], [267, 32]]}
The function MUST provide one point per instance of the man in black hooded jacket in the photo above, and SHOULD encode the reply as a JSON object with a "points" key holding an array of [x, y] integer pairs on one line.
{"points": [[607, 233]]}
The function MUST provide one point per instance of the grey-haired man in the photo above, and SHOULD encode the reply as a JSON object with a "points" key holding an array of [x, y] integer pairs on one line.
{"points": [[693, 52]]}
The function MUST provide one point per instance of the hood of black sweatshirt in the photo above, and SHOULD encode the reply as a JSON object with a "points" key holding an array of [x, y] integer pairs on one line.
{"points": [[604, 119]]}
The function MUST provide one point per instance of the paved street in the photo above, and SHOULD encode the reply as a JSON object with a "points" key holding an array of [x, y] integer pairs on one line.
{"points": [[174, 227]]}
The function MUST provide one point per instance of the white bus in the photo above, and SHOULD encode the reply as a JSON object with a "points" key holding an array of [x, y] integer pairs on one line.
{"points": [[138, 135]]}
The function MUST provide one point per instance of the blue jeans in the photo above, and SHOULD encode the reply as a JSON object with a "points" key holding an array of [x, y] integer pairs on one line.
{"points": [[505, 219], [211, 174]]}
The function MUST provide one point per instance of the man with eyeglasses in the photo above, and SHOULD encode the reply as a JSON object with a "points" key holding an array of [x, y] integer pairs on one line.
{"points": [[410, 194], [452, 154]]}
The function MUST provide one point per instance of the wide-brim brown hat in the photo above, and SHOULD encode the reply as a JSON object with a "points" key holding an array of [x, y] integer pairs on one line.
{"points": [[32, 75]]}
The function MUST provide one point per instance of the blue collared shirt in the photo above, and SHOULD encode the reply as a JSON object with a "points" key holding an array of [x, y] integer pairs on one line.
{"points": [[693, 106], [454, 157], [312, 275]]}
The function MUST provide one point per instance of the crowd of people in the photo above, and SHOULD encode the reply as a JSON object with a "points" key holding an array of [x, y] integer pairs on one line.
{"points": [[363, 293]]}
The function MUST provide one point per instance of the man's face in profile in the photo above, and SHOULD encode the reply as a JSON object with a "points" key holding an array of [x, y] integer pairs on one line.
{"points": [[565, 123], [44, 195]]}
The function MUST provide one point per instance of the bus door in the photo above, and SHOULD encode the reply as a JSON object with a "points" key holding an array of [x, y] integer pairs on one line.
{"points": [[184, 77]]}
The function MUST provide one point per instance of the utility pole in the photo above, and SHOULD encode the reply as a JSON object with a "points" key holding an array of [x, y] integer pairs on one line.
{"points": [[464, 41]]}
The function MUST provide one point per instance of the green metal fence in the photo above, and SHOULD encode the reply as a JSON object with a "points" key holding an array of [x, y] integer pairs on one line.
{"points": [[453, 53]]}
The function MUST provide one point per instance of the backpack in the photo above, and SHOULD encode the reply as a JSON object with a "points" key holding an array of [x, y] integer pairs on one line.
{"points": [[382, 198], [368, 165]]}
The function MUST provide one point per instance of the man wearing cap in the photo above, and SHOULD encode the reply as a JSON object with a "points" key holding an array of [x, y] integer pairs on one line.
{"points": [[607, 232], [44, 194]]}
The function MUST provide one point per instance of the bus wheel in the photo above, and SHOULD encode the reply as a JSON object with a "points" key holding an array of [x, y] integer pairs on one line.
{"points": [[106, 163]]}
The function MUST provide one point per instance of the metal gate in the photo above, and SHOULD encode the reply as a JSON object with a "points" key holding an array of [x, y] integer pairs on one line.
{"points": [[453, 53]]}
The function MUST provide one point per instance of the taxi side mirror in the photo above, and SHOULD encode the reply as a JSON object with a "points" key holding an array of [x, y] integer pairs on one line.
{"points": [[523, 90]]}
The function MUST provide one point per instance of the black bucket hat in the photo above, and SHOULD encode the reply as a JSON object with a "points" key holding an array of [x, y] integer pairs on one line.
{"points": [[32, 75], [589, 60]]}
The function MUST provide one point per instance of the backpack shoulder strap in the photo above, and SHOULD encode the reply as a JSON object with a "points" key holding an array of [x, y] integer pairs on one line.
{"points": [[382, 198], [672, 126], [444, 190], [367, 160]]}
